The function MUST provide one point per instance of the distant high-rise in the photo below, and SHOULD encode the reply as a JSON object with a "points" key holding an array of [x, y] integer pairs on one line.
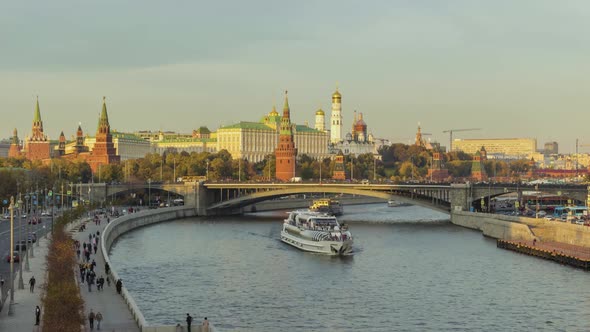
{"points": [[551, 148], [336, 118], [285, 153]]}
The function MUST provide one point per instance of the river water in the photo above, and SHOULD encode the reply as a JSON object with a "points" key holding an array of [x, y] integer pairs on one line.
{"points": [[411, 271]]}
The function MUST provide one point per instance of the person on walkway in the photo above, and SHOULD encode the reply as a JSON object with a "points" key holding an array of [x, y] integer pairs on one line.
{"points": [[32, 284], [107, 268], [98, 320], [205, 325], [189, 321], [95, 247], [119, 285], [91, 317], [37, 315], [78, 253]]}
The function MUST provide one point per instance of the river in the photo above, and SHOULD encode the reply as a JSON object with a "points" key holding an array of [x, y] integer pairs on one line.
{"points": [[412, 270]]}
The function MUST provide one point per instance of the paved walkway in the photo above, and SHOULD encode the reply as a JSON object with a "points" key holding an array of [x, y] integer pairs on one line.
{"points": [[25, 301], [116, 314]]}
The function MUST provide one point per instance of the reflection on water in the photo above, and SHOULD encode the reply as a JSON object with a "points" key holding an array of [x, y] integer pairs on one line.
{"points": [[411, 271]]}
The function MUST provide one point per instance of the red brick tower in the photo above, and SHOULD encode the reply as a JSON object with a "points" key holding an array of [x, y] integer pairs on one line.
{"points": [[478, 171], [104, 152], [14, 150], [437, 173], [61, 148], [339, 173], [286, 152], [37, 146]]}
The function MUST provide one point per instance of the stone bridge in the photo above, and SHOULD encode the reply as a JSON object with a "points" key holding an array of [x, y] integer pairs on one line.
{"points": [[231, 197]]}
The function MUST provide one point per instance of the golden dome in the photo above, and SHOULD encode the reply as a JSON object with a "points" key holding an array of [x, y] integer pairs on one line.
{"points": [[336, 94], [273, 112], [319, 112]]}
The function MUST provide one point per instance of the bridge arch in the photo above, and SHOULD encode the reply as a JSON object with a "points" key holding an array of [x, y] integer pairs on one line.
{"points": [[260, 196]]}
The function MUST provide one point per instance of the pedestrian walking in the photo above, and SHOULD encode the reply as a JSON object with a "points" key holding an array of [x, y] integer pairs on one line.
{"points": [[189, 321], [98, 320], [108, 281], [89, 237], [95, 247], [78, 253], [91, 317], [32, 284], [205, 324], [37, 315], [119, 286], [107, 268]]}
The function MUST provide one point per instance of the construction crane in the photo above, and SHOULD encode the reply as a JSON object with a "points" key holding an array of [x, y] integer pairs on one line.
{"points": [[450, 131]]}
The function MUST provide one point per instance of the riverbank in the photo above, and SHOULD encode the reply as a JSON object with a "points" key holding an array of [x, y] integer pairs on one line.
{"points": [[575, 256]]}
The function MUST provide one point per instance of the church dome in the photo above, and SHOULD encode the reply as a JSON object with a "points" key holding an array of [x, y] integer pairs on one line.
{"points": [[273, 112], [336, 94], [319, 112]]}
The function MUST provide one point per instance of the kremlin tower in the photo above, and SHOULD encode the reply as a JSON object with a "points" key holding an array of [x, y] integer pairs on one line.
{"points": [[104, 152], [285, 153], [37, 146], [336, 124], [14, 150], [478, 171]]}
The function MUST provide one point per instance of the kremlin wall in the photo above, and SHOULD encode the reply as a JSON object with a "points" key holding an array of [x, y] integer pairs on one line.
{"points": [[253, 141]]}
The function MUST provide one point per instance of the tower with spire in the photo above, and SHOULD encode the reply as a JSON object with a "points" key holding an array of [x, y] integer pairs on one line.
{"points": [[285, 153], [61, 147], [478, 171], [37, 145], [103, 152], [15, 147], [336, 118]]}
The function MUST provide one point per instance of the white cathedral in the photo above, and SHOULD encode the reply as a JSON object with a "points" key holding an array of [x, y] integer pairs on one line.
{"points": [[357, 141]]}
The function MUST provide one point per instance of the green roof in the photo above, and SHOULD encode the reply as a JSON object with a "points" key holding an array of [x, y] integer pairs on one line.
{"points": [[248, 125], [37, 112], [203, 130], [185, 140], [104, 117], [306, 129], [126, 136]]}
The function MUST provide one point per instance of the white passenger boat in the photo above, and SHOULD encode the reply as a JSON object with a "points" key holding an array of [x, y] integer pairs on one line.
{"points": [[316, 232]]}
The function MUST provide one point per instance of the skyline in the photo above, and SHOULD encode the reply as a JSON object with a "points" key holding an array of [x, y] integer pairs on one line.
{"points": [[513, 69]]}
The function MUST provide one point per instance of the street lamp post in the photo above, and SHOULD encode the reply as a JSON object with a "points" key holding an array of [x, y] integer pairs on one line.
{"points": [[11, 253], [207, 171], [320, 171], [27, 221], [174, 178], [149, 193], [21, 284]]}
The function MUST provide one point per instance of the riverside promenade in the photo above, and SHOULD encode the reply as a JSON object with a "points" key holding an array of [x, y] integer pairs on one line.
{"points": [[116, 314], [25, 301]]}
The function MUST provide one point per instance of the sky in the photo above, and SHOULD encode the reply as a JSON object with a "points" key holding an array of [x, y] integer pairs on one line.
{"points": [[511, 68]]}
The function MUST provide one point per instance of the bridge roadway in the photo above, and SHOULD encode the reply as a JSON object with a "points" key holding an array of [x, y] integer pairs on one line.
{"points": [[231, 197]]}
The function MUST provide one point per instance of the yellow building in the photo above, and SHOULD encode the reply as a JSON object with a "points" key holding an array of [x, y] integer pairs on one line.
{"points": [[255, 140], [498, 147]]}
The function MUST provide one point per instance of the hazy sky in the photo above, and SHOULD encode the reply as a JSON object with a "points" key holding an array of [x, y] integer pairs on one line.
{"points": [[514, 68]]}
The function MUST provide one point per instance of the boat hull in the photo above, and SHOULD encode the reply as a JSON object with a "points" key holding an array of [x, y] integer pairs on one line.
{"points": [[333, 248]]}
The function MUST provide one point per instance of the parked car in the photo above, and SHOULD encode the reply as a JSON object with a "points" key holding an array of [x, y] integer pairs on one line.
{"points": [[16, 257]]}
